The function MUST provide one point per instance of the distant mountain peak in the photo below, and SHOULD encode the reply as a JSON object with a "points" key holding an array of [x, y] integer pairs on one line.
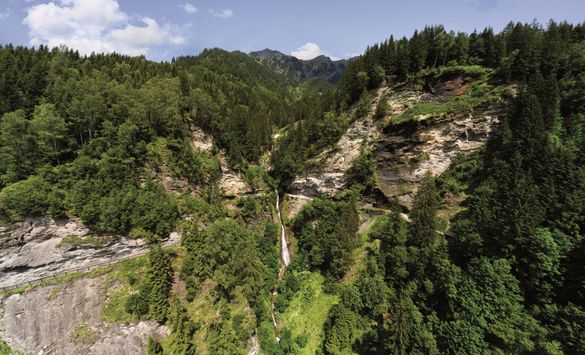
{"points": [[300, 70], [321, 57], [265, 51]]}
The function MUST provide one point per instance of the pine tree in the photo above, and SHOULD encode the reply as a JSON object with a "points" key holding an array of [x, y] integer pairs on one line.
{"points": [[423, 227], [160, 279]]}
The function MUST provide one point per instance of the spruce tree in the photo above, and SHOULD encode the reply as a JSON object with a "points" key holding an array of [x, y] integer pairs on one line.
{"points": [[423, 227], [182, 329], [160, 278]]}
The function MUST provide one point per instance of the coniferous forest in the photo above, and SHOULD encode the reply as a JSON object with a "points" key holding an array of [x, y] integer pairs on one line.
{"points": [[98, 138]]}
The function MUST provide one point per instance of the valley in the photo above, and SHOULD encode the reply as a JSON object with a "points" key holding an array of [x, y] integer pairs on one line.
{"points": [[425, 196]]}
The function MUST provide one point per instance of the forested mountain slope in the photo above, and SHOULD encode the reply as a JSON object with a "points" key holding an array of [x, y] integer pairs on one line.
{"points": [[507, 209], [434, 199]]}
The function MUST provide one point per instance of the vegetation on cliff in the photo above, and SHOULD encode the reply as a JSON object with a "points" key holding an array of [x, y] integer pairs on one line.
{"points": [[86, 136]]}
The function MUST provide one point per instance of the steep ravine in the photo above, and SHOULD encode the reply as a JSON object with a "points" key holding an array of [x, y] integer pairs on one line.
{"points": [[285, 260], [285, 255]]}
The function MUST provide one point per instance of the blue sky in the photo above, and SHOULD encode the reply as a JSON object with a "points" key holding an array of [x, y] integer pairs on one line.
{"points": [[163, 29]]}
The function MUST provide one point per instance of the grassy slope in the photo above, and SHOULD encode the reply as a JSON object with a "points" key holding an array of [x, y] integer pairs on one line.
{"points": [[364, 245], [479, 93], [207, 314], [123, 281], [308, 311]]}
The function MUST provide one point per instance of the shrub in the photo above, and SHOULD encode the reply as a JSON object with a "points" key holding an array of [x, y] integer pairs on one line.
{"points": [[24, 198], [381, 109], [137, 304], [153, 347]]}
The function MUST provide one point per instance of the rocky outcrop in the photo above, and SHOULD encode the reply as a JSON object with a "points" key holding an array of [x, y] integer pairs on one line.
{"points": [[201, 140], [404, 151], [408, 150], [231, 182], [332, 176], [67, 319], [293, 204], [42, 247], [174, 184]]}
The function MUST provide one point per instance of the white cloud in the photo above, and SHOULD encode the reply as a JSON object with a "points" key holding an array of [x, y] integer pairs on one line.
{"points": [[95, 26], [308, 51], [351, 55], [189, 8], [225, 13], [4, 15], [150, 35]]}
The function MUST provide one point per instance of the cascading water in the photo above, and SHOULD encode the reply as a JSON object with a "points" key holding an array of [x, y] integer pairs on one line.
{"points": [[284, 247], [285, 257]]}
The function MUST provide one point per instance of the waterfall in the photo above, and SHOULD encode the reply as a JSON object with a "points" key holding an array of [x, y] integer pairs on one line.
{"points": [[283, 245], [285, 257]]}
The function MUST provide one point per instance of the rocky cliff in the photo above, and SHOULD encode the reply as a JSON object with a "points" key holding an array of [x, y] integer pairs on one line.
{"points": [[407, 144], [44, 247], [67, 319], [231, 182], [334, 163]]}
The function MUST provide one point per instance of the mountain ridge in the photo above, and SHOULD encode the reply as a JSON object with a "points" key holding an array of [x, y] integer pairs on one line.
{"points": [[299, 70]]}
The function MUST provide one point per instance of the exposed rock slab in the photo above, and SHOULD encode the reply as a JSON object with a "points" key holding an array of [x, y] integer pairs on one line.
{"points": [[34, 248], [332, 176], [201, 140], [231, 181], [36, 322], [293, 205], [409, 150]]}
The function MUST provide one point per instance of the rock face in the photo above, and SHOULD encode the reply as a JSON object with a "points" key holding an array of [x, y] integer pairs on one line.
{"points": [[231, 181], [332, 177], [408, 150], [232, 184], [39, 247], [201, 140], [404, 151], [66, 319], [293, 205]]}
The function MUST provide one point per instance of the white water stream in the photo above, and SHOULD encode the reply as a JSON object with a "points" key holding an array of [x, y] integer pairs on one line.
{"points": [[285, 257], [283, 245]]}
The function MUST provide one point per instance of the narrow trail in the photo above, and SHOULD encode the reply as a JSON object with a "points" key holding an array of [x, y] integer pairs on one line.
{"points": [[285, 260]]}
